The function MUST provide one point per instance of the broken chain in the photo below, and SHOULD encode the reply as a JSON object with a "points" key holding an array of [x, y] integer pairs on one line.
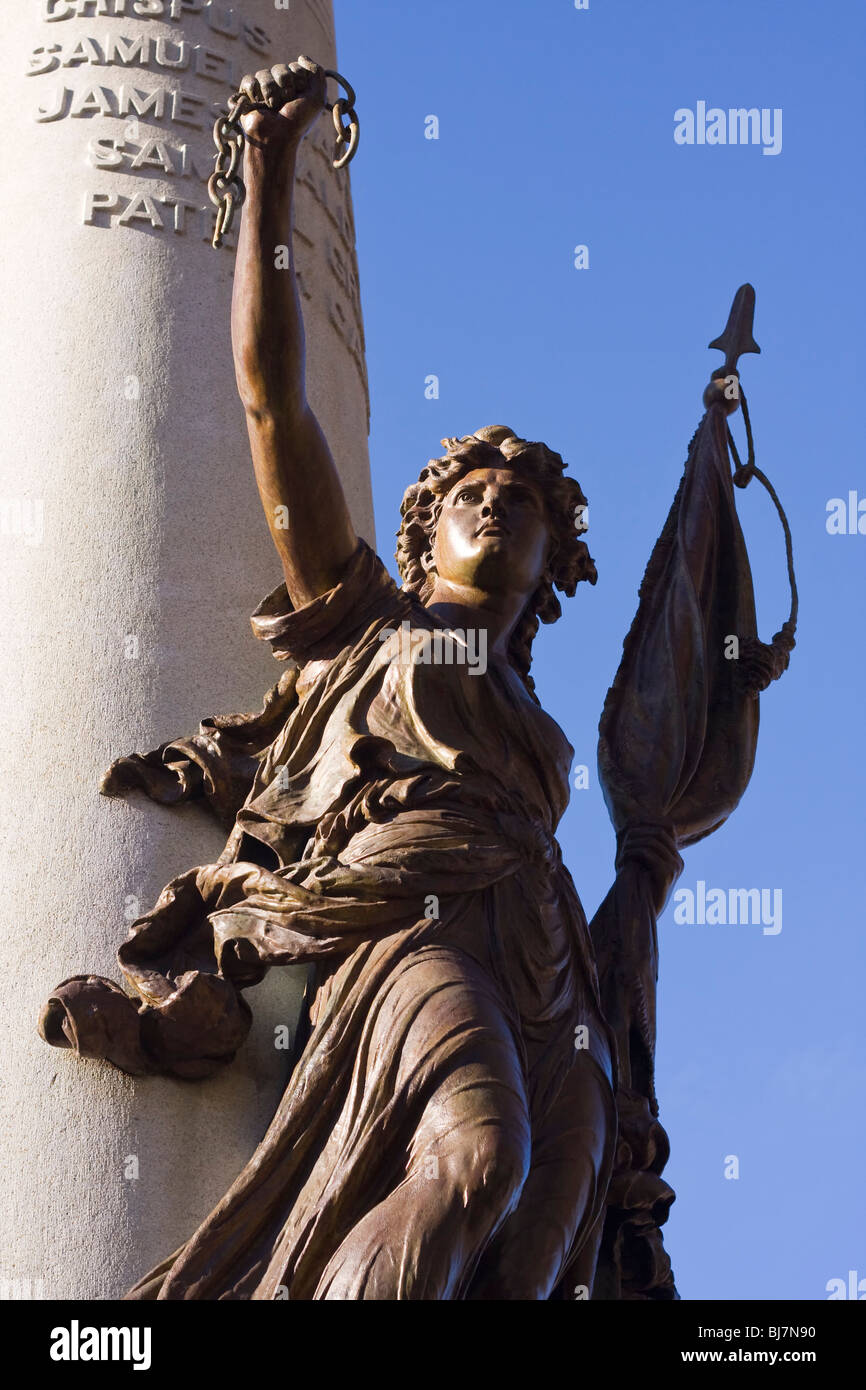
{"points": [[225, 185]]}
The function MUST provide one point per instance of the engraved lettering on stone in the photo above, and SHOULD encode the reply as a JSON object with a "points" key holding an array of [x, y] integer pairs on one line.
{"points": [[154, 156], [121, 50], [143, 208], [100, 208], [180, 160], [221, 19], [160, 103]]}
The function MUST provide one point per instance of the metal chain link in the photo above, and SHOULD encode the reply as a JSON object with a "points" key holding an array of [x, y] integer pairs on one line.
{"points": [[226, 187], [348, 134]]}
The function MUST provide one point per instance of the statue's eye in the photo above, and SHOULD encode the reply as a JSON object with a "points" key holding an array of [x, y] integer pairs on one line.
{"points": [[467, 495]]}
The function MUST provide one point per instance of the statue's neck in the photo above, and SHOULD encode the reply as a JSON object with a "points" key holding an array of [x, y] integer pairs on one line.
{"points": [[464, 607]]}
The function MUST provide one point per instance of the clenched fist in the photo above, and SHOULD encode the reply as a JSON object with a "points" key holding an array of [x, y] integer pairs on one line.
{"points": [[286, 100]]}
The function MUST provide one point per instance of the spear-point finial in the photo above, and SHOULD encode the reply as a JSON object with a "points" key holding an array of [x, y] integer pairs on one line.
{"points": [[737, 337]]}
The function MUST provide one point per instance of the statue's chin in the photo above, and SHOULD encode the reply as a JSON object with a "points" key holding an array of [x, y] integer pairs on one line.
{"points": [[496, 566]]}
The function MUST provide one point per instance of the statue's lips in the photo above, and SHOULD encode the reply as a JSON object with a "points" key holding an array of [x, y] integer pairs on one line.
{"points": [[493, 528]]}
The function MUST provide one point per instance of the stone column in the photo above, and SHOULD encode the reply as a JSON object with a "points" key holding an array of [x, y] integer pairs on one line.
{"points": [[133, 551]]}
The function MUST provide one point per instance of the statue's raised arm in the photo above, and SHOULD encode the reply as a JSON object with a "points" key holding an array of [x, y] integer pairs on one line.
{"points": [[295, 472]]}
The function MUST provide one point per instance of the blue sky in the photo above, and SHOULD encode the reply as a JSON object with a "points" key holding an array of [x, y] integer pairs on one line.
{"points": [[556, 129]]}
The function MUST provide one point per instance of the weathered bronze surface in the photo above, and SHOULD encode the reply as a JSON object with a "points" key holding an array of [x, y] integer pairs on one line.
{"points": [[471, 1113]]}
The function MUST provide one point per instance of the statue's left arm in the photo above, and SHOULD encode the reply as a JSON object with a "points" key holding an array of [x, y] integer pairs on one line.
{"points": [[677, 742]]}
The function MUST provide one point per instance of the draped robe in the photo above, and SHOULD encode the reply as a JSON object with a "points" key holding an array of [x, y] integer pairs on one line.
{"points": [[397, 833], [393, 823]]}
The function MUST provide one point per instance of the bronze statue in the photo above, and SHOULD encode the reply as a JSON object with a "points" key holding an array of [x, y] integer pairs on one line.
{"points": [[471, 1112]]}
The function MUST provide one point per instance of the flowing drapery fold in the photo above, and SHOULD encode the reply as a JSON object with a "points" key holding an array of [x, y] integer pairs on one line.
{"points": [[393, 826], [677, 741]]}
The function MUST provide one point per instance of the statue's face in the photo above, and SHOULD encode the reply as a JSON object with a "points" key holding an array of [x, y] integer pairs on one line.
{"points": [[493, 532]]}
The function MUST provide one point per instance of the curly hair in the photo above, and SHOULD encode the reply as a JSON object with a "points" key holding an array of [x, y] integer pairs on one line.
{"points": [[570, 561]]}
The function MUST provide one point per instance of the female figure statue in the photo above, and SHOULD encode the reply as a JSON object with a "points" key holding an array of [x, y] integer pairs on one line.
{"points": [[450, 1125]]}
